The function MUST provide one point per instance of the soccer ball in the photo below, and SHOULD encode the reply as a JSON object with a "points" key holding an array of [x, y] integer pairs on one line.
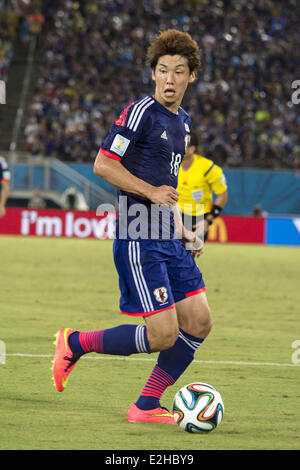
{"points": [[198, 408]]}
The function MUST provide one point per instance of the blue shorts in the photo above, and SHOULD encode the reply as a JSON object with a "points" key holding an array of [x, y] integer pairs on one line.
{"points": [[154, 275]]}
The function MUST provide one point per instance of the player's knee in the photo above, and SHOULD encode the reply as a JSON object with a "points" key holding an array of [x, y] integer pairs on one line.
{"points": [[199, 325], [169, 338], [208, 325], [164, 339], [204, 326]]}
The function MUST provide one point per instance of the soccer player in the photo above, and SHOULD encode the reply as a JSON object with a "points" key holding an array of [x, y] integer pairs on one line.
{"points": [[198, 179], [158, 277], [4, 185]]}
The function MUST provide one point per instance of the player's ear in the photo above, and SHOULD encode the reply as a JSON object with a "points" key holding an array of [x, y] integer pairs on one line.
{"points": [[192, 77], [153, 75]]}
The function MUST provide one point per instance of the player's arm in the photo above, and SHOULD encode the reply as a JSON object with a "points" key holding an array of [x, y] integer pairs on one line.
{"points": [[116, 174], [4, 196], [217, 208], [217, 181], [190, 239]]}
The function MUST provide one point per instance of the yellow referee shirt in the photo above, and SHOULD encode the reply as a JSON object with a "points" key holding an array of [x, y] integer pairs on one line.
{"points": [[196, 185]]}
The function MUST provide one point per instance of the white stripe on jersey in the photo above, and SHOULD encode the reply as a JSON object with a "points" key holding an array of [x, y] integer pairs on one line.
{"points": [[135, 109], [138, 111], [141, 114]]}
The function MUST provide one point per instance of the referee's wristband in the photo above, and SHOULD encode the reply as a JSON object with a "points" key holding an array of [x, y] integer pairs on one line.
{"points": [[216, 210]]}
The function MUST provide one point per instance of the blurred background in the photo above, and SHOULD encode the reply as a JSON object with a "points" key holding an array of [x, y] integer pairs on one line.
{"points": [[70, 67]]}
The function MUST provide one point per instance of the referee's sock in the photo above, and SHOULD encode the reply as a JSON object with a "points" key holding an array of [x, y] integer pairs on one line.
{"points": [[122, 340], [169, 367]]}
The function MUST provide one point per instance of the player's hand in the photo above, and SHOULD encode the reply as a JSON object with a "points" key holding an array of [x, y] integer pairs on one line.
{"points": [[166, 195], [201, 229], [193, 243]]}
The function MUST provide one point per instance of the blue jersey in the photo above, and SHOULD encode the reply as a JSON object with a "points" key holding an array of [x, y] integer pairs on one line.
{"points": [[4, 172], [150, 141]]}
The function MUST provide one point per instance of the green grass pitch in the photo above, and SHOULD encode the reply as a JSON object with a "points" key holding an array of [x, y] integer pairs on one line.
{"points": [[49, 283]]}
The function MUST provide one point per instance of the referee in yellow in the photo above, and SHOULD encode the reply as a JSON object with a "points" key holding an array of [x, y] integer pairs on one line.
{"points": [[198, 179]]}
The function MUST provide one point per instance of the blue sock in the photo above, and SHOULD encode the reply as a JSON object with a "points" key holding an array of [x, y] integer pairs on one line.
{"points": [[74, 343], [124, 340], [176, 359], [169, 367], [121, 340]]}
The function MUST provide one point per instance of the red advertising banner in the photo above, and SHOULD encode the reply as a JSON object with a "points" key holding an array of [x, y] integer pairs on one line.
{"points": [[86, 224], [237, 229], [57, 223]]}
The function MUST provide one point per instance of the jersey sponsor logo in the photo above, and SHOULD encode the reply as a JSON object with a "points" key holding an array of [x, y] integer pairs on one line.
{"points": [[161, 294], [164, 135], [119, 145]]}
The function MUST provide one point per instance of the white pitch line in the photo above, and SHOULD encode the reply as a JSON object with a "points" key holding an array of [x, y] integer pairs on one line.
{"points": [[125, 358]]}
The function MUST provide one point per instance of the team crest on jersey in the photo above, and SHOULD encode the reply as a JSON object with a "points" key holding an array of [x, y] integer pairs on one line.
{"points": [[197, 195], [187, 127], [161, 294]]}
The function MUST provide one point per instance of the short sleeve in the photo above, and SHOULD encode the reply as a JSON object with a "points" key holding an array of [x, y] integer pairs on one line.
{"points": [[4, 171], [133, 124], [217, 180]]}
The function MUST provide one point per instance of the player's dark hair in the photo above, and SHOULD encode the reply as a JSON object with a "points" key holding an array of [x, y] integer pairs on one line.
{"points": [[193, 140], [174, 42]]}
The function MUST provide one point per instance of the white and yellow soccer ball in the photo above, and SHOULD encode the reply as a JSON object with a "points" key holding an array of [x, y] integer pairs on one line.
{"points": [[198, 408]]}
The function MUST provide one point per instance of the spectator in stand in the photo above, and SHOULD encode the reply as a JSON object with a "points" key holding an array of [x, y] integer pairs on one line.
{"points": [[7, 36], [73, 199], [35, 20], [37, 201], [258, 211], [14, 27], [241, 107]]}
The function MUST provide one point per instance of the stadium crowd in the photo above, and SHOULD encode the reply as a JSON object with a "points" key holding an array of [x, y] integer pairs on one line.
{"points": [[241, 105], [8, 31], [19, 19]]}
